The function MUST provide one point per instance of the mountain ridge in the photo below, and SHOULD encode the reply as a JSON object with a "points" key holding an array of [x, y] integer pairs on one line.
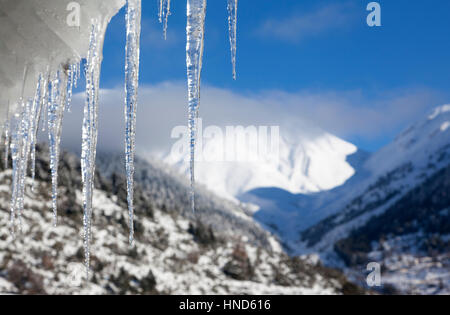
{"points": [[302, 165]]}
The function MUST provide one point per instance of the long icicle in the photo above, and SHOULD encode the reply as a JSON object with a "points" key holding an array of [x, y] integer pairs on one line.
{"points": [[232, 25], [72, 75], [55, 117], [17, 151], [25, 138], [7, 131], [133, 21], [195, 31], [90, 131], [45, 101], [15, 158], [20, 150], [36, 111], [164, 13]]}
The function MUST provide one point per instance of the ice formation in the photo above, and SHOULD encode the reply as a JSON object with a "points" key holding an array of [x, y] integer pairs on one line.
{"points": [[39, 86], [39, 101], [133, 22], [195, 31], [59, 92], [90, 129], [164, 12], [6, 132], [232, 25]]}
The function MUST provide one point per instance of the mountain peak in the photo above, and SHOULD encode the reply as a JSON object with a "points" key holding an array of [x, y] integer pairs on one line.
{"points": [[444, 109], [303, 162], [416, 143]]}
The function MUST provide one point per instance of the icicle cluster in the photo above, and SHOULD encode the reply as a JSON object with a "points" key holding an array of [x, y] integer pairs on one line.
{"points": [[51, 94], [164, 12], [53, 97], [132, 53]]}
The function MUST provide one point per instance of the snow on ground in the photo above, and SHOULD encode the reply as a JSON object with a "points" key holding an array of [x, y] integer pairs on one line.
{"points": [[408, 268], [166, 258]]}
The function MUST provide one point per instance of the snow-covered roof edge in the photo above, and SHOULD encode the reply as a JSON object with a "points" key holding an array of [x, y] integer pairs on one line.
{"points": [[38, 35]]}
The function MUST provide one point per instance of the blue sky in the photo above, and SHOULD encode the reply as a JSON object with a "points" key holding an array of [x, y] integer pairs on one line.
{"points": [[310, 49]]}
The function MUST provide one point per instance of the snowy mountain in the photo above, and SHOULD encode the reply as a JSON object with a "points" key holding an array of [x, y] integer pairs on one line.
{"points": [[307, 160], [167, 189], [414, 157], [394, 211], [175, 252], [359, 215]]}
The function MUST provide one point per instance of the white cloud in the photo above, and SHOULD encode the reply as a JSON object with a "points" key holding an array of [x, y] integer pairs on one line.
{"points": [[164, 106], [297, 27]]}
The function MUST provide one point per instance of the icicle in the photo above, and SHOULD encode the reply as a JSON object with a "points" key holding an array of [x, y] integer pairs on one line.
{"points": [[55, 117], [78, 71], [7, 131], [164, 12], [195, 30], [15, 157], [16, 145], [25, 137], [133, 21], [161, 8], [72, 74], [20, 151], [232, 25], [36, 112], [45, 102], [90, 131]]}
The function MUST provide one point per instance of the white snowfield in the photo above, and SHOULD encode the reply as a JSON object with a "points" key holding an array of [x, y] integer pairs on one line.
{"points": [[417, 143], [309, 161], [37, 37]]}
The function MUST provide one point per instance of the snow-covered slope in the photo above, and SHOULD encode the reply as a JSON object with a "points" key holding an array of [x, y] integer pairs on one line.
{"points": [[417, 144], [173, 254], [398, 216], [309, 160], [168, 189], [414, 156], [393, 211], [381, 179]]}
